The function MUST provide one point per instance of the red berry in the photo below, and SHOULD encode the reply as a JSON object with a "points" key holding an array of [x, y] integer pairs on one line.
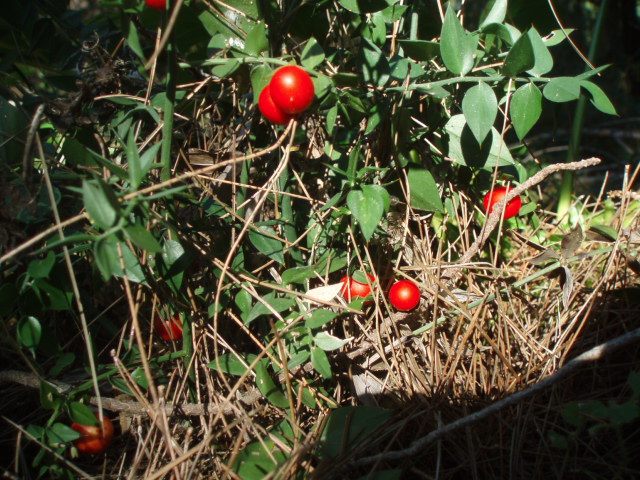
{"points": [[170, 329], [494, 196], [270, 110], [351, 288], [292, 89], [94, 439], [404, 295], [157, 4]]}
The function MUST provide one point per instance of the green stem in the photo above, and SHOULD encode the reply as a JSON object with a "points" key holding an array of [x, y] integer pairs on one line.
{"points": [[566, 190], [169, 106]]}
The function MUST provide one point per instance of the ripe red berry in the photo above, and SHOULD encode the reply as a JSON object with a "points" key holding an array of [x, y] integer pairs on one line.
{"points": [[270, 110], [292, 89], [94, 439], [170, 329], [404, 295], [351, 288], [494, 196], [157, 4]]}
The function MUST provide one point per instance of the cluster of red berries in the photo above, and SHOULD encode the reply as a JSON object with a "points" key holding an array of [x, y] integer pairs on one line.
{"points": [[404, 295], [289, 93]]}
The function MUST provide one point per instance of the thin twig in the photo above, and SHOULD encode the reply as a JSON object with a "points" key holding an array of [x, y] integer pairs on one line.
{"points": [[592, 355], [494, 217]]}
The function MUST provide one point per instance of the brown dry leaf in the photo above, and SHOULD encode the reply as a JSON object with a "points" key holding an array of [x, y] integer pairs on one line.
{"points": [[545, 256], [325, 293], [571, 242]]}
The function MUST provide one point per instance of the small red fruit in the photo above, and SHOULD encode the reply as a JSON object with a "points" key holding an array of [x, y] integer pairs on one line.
{"points": [[292, 89], [94, 439], [494, 196], [404, 295], [351, 288], [170, 329], [270, 110], [157, 4]]}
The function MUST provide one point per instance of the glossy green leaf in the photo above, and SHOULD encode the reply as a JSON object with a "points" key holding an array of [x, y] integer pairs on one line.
{"points": [[506, 32], [268, 387], [457, 47], [520, 57], [557, 36], [464, 148], [420, 50], [480, 109], [174, 262], [133, 269], [368, 206], [105, 254], [312, 54], [278, 304], [320, 362], [424, 191], [598, 98], [230, 363], [562, 89], [29, 332], [543, 61], [526, 107], [40, 268], [320, 317], [260, 77], [49, 396], [263, 239], [374, 65], [256, 41], [59, 434], [348, 427], [360, 6], [494, 12], [101, 203], [328, 342], [143, 238], [82, 414]]}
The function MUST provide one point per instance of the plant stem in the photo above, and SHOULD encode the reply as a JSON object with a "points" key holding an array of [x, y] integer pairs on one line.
{"points": [[566, 190]]}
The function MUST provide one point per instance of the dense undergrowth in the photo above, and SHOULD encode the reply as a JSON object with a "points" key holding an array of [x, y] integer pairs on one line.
{"points": [[140, 183]]}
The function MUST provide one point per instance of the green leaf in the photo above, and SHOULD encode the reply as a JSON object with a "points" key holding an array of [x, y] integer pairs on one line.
{"points": [[368, 6], [598, 98], [557, 36], [374, 66], [260, 77], [480, 109], [494, 12], [312, 54], [348, 427], [49, 396], [269, 246], [261, 458], [606, 231], [506, 32], [526, 107], [424, 191], [40, 268], [29, 333], [278, 304], [320, 317], [231, 364], [457, 47], [464, 148], [368, 207], [268, 387], [328, 342], [420, 50], [143, 238], [320, 362], [106, 256], [174, 262], [543, 61], [82, 414], [101, 203], [59, 434], [256, 41], [133, 159], [520, 57], [133, 269], [562, 89]]}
